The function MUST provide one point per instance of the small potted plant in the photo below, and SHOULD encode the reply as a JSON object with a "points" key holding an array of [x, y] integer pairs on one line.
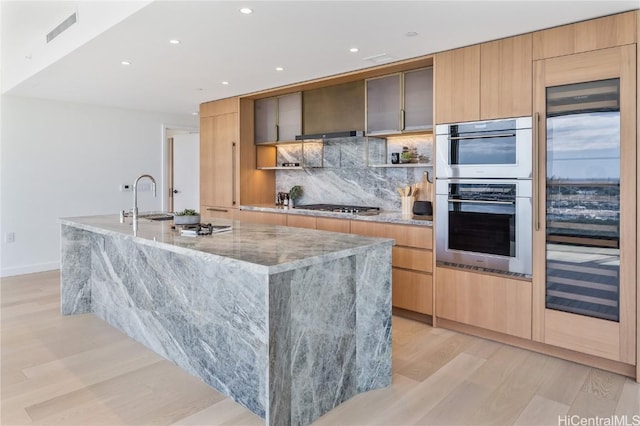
{"points": [[294, 194], [186, 217]]}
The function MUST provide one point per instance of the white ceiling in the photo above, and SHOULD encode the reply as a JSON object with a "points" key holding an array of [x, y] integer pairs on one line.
{"points": [[309, 39]]}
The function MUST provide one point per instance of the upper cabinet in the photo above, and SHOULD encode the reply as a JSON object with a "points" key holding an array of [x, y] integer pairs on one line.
{"points": [[486, 81], [458, 85], [334, 108], [505, 78], [400, 102], [601, 33], [278, 118]]}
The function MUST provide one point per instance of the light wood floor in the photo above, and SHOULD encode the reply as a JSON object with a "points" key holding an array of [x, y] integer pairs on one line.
{"points": [[77, 370]]}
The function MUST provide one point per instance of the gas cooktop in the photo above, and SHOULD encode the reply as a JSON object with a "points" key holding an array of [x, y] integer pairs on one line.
{"points": [[340, 208]]}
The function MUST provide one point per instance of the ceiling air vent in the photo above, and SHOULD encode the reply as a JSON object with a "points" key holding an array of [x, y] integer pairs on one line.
{"points": [[62, 27], [379, 59]]}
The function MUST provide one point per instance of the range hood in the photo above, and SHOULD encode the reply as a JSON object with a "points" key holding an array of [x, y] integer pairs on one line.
{"points": [[331, 135]]}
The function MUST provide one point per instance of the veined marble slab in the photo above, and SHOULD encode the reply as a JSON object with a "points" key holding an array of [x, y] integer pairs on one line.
{"points": [[288, 322]]}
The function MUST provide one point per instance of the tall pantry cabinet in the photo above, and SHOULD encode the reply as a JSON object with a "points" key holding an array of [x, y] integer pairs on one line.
{"points": [[228, 174]]}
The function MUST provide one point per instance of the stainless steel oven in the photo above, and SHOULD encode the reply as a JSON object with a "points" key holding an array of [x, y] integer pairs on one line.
{"points": [[485, 223], [485, 149]]}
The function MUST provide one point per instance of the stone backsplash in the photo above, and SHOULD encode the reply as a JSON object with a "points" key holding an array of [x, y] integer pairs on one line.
{"points": [[337, 171]]}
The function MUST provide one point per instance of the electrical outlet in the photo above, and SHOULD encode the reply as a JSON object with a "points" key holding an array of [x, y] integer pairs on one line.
{"points": [[144, 187], [10, 237], [125, 187]]}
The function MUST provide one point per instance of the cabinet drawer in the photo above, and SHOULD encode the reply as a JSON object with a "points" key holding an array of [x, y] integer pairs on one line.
{"points": [[412, 291], [405, 235], [496, 303], [334, 225], [218, 212], [301, 221], [262, 217], [410, 258]]}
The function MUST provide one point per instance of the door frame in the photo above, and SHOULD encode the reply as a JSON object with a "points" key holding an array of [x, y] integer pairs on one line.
{"points": [[168, 131]]}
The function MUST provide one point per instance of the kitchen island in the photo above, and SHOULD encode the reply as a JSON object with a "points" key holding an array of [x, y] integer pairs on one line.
{"points": [[288, 322]]}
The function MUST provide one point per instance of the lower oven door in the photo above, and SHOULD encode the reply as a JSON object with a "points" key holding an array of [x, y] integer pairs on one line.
{"points": [[485, 223]]}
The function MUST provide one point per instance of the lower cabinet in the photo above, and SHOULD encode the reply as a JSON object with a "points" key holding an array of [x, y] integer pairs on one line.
{"points": [[218, 212], [298, 221], [412, 257], [333, 225], [412, 291], [262, 217], [412, 262], [496, 303]]}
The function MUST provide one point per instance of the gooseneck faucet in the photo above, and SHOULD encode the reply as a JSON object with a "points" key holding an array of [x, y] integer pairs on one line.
{"points": [[135, 198]]}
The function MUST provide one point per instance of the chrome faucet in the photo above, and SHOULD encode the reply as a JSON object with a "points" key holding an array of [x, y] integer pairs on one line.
{"points": [[135, 198]]}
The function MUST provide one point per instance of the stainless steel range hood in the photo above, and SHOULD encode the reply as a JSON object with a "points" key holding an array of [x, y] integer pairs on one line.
{"points": [[331, 135]]}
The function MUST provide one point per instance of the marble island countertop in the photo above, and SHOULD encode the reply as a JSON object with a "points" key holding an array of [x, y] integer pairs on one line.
{"points": [[288, 322], [260, 246], [385, 216]]}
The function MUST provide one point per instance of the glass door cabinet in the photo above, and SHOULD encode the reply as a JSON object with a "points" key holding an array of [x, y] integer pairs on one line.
{"points": [[585, 203]]}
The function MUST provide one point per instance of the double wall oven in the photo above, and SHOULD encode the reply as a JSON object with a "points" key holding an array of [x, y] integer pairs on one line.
{"points": [[483, 195]]}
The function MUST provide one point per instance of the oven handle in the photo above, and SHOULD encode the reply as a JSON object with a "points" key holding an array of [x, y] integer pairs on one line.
{"points": [[495, 135], [481, 201]]}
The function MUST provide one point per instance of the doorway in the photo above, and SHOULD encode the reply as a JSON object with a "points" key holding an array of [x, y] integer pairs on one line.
{"points": [[182, 166]]}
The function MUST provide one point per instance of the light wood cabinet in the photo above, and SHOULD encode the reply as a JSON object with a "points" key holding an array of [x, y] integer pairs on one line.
{"points": [[412, 291], [457, 81], [278, 118], [486, 81], [333, 225], [301, 221], [214, 212], [506, 78], [601, 33], [412, 262], [412, 258], [218, 160], [612, 336], [262, 217], [492, 302], [405, 235], [228, 175]]}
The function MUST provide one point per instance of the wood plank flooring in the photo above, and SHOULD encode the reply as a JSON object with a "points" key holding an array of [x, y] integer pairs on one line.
{"points": [[77, 370]]}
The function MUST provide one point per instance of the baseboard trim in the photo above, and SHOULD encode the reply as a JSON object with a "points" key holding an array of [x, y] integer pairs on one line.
{"points": [[578, 357], [29, 269], [416, 316]]}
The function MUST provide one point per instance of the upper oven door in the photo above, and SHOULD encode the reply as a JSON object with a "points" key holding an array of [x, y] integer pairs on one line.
{"points": [[488, 149]]}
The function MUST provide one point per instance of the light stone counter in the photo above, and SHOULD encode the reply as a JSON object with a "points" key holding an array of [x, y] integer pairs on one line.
{"points": [[288, 322], [383, 217]]}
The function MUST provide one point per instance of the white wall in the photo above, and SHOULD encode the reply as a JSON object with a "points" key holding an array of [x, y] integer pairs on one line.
{"points": [[63, 159], [25, 25]]}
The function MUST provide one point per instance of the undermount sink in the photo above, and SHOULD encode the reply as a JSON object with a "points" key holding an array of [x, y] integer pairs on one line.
{"points": [[156, 216]]}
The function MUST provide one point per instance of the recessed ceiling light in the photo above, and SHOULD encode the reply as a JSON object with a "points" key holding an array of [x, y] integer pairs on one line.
{"points": [[411, 34], [353, 49], [225, 82], [174, 41], [125, 63], [279, 69], [246, 10]]}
